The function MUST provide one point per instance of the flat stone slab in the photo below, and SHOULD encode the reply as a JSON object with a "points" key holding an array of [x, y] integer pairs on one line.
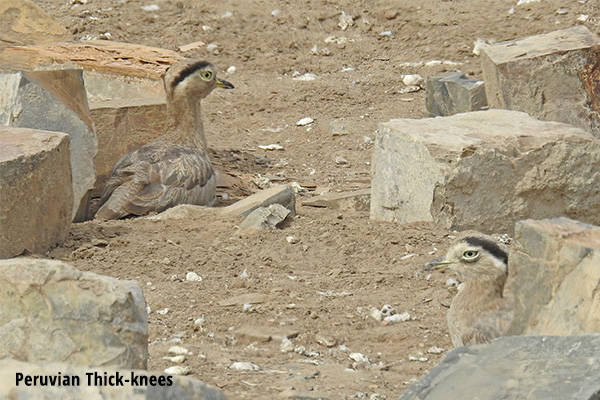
{"points": [[55, 100], [50, 311], [517, 367], [357, 200], [278, 194], [557, 285], [104, 56], [552, 76], [36, 195], [484, 170], [127, 384]]}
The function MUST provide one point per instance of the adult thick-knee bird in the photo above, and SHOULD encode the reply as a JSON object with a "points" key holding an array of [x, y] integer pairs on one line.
{"points": [[481, 310], [176, 168]]}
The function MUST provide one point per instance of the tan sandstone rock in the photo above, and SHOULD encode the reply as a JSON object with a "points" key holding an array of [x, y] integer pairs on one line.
{"points": [[123, 126], [552, 76], [557, 285], [24, 22], [50, 311], [484, 170], [36, 195]]}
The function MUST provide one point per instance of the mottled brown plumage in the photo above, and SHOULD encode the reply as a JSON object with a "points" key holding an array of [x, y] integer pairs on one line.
{"points": [[176, 169], [480, 311]]}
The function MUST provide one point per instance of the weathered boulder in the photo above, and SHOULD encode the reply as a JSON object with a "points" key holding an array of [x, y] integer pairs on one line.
{"points": [[50, 311], [452, 93], [123, 126], [518, 367], [36, 195], [126, 384], [484, 170], [55, 100], [553, 76], [557, 285], [24, 22]]}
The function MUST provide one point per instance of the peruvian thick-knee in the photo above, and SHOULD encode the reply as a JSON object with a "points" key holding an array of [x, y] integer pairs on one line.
{"points": [[176, 168]]}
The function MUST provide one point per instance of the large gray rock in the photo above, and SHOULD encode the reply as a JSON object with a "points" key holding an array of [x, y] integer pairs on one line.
{"points": [[36, 195], [518, 367], [484, 170], [557, 271], [553, 76], [55, 100], [50, 311], [180, 388], [453, 93]]}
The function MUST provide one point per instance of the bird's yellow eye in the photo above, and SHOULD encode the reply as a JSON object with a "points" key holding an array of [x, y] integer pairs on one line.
{"points": [[206, 75], [470, 254]]}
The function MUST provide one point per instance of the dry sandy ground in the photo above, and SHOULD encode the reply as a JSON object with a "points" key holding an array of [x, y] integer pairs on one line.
{"points": [[320, 289]]}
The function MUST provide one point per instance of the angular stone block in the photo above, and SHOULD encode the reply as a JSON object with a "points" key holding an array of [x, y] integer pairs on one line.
{"points": [[55, 100], [50, 311], [557, 285], [36, 195], [484, 170], [133, 385], [553, 76], [452, 93], [24, 22], [123, 126], [518, 367]]}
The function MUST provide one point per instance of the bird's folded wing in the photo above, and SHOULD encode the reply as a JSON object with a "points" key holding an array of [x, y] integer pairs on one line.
{"points": [[155, 178]]}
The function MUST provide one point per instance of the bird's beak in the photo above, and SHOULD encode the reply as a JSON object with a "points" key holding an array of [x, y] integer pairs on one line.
{"points": [[223, 84], [437, 264]]}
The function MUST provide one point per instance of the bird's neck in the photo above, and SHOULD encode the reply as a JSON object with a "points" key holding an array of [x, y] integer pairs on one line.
{"points": [[482, 288], [185, 122]]}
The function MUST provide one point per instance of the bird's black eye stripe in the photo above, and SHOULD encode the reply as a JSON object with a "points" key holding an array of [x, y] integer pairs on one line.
{"points": [[187, 71], [489, 246]]}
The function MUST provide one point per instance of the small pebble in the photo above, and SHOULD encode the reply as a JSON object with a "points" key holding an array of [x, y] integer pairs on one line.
{"points": [[178, 370], [305, 121], [292, 239], [193, 277], [178, 350], [244, 366], [287, 346], [175, 359], [151, 7], [435, 350]]}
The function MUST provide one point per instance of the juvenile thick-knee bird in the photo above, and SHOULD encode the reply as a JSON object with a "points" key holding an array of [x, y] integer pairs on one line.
{"points": [[175, 169], [480, 311]]}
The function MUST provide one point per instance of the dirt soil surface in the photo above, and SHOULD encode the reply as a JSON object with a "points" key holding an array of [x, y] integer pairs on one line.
{"points": [[316, 279]]}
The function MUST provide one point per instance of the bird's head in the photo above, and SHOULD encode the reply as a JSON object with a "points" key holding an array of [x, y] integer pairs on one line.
{"points": [[192, 79], [474, 257]]}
